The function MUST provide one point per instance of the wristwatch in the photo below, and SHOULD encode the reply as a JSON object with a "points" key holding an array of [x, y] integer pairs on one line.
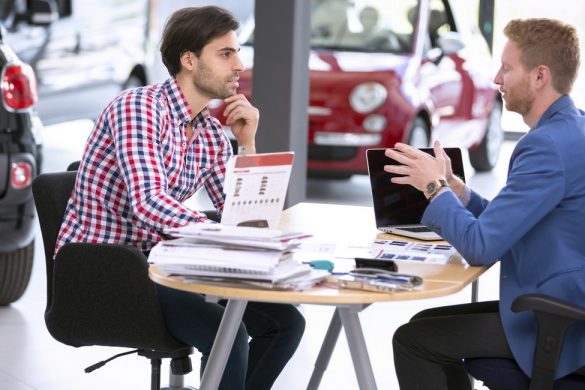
{"points": [[433, 187]]}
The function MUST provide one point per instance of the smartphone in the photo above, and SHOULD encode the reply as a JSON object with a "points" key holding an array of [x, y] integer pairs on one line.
{"points": [[383, 264]]}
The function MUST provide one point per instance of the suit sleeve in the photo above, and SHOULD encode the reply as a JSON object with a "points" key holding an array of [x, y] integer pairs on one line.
{"points": [[485, 231]]}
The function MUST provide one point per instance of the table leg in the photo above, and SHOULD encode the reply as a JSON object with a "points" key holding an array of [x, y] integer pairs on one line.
{"points": [[222, 346], [474, 298], [475, 290], [326, 351], [357, 347]]}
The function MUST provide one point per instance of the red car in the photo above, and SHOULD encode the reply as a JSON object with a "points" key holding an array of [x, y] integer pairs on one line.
{"points": [[386, 71]]}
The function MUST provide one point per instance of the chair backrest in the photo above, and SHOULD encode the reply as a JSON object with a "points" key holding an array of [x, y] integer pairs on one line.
{"points": [[89, 317], [51, 192]]}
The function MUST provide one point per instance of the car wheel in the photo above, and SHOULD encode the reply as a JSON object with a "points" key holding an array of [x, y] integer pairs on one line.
{"points": [[419, 136], [15, 270], [485, 157]]}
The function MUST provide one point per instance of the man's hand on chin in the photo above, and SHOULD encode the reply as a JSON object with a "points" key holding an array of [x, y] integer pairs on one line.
{"points": [[243, 119]]}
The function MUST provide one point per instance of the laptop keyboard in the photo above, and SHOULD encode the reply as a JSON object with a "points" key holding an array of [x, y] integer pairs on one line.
{"points": [[416, 229]]}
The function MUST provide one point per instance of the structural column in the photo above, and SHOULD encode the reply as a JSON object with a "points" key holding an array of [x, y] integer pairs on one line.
{"points": [[280, 86]]}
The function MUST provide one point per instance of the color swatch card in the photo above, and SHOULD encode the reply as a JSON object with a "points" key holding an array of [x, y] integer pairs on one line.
{"points": [[255, 187], [415, 251]]}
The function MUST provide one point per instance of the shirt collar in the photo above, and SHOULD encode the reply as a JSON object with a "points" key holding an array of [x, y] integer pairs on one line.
{"points": [[561, 103], [179, 106]]}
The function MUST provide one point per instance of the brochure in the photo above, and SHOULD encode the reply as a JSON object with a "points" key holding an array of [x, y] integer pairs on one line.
{"points": [[415, 251], [255, 186]]}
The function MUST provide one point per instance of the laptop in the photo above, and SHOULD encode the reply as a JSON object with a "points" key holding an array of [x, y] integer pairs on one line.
{"points": [[398, 208]]}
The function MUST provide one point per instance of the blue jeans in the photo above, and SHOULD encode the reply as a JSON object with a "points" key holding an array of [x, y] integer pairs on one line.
{"points": [[267, 338]]}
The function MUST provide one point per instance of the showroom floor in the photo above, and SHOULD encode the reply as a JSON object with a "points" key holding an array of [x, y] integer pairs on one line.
{"points": [[31, 360]]}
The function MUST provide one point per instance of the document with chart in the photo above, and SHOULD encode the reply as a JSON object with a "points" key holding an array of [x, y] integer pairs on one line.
{"points": [[255, 186]]}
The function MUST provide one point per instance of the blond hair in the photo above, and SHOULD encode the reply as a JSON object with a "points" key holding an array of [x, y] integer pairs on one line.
{"points": [[547, 42]]}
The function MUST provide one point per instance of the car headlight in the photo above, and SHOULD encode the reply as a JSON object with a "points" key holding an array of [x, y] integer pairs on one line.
{"points": [[374, 123], [366, 97]]}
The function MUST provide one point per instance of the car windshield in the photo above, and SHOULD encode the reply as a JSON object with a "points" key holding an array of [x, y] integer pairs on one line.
{"points": [[358, 25]]}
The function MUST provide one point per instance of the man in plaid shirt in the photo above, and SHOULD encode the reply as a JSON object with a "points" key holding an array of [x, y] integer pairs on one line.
{"points": [[154, 147]]}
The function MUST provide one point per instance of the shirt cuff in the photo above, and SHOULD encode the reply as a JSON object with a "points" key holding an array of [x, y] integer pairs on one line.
{"points": [[465, 196], [441, 191]]}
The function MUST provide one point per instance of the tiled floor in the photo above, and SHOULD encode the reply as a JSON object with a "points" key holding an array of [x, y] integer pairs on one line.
{"points": [[31, 360]]}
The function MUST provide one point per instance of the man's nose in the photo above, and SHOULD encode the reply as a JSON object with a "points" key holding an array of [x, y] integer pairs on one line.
{"points": [[498, 78], [239, 65]]}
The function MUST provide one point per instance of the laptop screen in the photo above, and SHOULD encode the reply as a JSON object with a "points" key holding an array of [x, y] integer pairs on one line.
{"points": [[398, 204]]}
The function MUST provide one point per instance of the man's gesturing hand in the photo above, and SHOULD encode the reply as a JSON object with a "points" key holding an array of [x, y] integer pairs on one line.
{"points": [[417, 167]]}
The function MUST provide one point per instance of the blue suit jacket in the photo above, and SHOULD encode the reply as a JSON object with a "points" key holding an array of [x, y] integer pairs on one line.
{"points": [[535, 226]]}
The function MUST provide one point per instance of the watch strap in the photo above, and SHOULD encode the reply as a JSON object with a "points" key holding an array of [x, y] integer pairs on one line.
{"points": [[440, 191]]}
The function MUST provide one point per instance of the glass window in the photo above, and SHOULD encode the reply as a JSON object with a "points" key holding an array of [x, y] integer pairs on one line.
{"points": [[363, 25], [358, 25]]}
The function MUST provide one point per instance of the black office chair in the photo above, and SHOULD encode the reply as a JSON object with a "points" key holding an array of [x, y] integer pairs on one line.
{"points": [[554, 317], [100, 294]]}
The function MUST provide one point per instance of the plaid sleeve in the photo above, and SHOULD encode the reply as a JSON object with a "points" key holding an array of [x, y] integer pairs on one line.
{"points": [[137, 122], [214, 185]]}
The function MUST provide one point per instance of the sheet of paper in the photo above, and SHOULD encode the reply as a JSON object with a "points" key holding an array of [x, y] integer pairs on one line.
{"points": [[255, 188]]}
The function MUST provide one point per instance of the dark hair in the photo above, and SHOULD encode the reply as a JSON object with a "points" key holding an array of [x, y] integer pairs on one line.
{"points": [[548, 42], [190, 29]]}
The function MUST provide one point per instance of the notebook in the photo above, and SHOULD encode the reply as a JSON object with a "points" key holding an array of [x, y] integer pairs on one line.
{"points": [[399, 208]]}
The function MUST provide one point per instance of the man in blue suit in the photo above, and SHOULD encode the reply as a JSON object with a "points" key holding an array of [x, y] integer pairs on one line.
{"points": [[534, 226]]}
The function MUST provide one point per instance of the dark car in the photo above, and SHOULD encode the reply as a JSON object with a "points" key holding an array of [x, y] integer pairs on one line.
{"points": [[388, 71], [20, 157]]}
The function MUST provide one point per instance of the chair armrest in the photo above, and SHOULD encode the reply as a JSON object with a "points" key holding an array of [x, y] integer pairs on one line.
{"points": [[554, 316], [547, 304], [102, 295], [74, 166]]}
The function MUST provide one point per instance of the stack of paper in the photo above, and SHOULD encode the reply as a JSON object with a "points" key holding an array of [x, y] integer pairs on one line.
{"points": [[295, 283], [229, 252], [239, 235]]}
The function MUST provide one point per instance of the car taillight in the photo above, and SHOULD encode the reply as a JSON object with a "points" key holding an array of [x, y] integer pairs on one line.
{"points": [[21, 175], [19, 87]]}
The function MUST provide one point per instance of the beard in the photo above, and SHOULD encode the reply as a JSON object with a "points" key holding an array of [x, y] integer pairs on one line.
{"points": [[520, 99], [213, 85]]}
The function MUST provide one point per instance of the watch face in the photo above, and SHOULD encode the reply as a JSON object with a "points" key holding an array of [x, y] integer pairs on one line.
{"points": [[431, 188]]}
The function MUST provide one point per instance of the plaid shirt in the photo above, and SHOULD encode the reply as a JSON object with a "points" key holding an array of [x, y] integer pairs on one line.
{"points": [[138, 167]]}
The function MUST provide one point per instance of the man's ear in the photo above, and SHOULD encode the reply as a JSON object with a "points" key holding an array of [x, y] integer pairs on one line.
{"points": [[188, 60], [542, 75]]}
